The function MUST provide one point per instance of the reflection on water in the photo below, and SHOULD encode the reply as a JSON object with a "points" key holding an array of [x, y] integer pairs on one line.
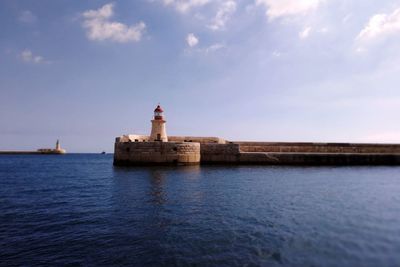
{"points": [[157, 193], [126, 181]]}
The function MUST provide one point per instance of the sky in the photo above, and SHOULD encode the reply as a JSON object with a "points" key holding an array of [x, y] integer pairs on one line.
{"points": [[86, 72]]}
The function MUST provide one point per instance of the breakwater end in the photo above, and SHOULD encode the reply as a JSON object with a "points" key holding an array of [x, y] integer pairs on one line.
{"points": [[158, 148], [42, 151]]}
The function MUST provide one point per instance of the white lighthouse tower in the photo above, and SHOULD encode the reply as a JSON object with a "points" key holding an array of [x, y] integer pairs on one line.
{"points": [[58, 149], [58, 146], [158, 132]]}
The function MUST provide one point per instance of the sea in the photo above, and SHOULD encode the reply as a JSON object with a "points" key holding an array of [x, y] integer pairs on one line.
{"points": [[80, 210]]}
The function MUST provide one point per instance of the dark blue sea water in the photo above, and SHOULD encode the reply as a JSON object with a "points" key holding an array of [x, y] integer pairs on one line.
{"points": [[79, 210]]}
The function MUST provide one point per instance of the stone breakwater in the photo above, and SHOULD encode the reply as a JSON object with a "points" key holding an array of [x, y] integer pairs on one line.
{"points": [[39, 152], [138, 150], [135, 153]]}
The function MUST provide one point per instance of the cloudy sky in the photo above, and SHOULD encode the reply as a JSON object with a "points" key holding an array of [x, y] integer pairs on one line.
{"points": [[272, 70]]}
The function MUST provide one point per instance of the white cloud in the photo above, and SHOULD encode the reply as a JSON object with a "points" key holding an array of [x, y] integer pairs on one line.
{"points": [[283, 8], [99, 27], [276, 54], [214, 47], [185, 5], [380, 26], [29, 57], [324, 30], [27, 16], [361, 50], [192, 40], [225, 11], [305, 33], [205, 50]]}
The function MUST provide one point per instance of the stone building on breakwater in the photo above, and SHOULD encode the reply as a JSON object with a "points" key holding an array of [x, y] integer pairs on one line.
{"points": [[158, 148]]}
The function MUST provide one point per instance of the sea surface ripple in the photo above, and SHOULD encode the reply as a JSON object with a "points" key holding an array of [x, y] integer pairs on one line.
{"points": [[79, 210]]}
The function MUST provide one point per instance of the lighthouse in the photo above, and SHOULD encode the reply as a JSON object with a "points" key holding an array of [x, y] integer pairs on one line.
{"points": [[58, 146], [158, 132]]}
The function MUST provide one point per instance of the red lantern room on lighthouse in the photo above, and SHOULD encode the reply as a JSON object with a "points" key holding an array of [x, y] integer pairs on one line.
{"points": [[158, 113]]}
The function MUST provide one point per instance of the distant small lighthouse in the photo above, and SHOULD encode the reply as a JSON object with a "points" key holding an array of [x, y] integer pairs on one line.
{"points": [[58, 146], [158, 132]]}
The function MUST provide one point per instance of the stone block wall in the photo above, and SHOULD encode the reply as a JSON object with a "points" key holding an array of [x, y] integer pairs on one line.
{"points": [[177, 139], [318, 147], [132, 138], [139, 153], [137, 150], [220, 153], [201, 140]]}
